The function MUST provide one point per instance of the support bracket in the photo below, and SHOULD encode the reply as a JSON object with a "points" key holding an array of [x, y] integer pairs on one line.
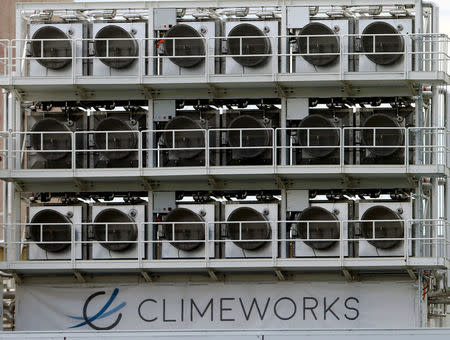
{"points": [[83, 93], [411, 274], [79, 276], [147, 184], [17, 278], [212, 274], [282, 91], [279, 274], [349, 275], [348, 89], [146, 276], [148, 92]]}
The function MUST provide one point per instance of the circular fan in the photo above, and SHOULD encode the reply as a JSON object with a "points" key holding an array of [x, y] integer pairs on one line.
{"points": [[326, 137], [50, 232], [184, 47], [382, 229], [49, 141], [184, 231], [116, 232], [251, 138], [116, 140], [318, 45], [51, 48], [188, 139], [105, 49], [257, 43], [389, 43], [318, 230], [256, 229], [388, 137]]}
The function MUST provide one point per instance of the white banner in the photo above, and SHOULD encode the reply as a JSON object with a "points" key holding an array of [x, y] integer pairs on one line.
{"points": [[283, 305]]}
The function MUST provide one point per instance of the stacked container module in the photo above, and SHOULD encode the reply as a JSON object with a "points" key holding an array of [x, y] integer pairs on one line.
{"points": [[275, 167]]}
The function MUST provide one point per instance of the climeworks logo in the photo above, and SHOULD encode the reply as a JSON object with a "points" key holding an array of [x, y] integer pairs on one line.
{"points": [[103, 313]]}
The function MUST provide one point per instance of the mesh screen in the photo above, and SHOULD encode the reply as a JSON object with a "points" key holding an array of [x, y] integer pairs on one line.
{"points": [[184, 47], [388, 137], [318, 230], [116, 232], [382, 229], [116, 140], [48, 48], [318, 45], [48, 141], [115, 48], [50, 232], [318, 137], [257, 43], [257, 229], [391, 43], [252, 138], [188, 139], [184, 231]]}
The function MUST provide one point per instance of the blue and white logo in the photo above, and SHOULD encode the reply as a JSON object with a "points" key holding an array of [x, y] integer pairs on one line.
{"points": [[103, 313]]}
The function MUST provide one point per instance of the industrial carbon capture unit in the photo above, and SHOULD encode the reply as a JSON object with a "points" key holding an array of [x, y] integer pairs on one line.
{"points": [[203, 169]]}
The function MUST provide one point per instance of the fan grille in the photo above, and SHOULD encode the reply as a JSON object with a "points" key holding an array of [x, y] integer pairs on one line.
{"points": [[49, 141], [51, 48], [389, 43], [318, 230], [257, 229], [318, 137], [388, 137], [183, 139], [116, 140], [250, 138], [382, 229], [184, 231], [184, 47], [50, 232], [116, 232], [258, 44], [318, 45], [115, 48]]}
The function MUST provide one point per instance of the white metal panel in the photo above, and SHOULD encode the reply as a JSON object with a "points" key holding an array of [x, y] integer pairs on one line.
{"points": [[233, 251], [100, 252], [37, 253], [365, 248], [341, 211], [208, 213], [366, 65], [140, 29], [76, 30]]}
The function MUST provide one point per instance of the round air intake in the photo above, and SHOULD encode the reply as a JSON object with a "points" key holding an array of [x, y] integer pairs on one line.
{"points": [[388, 137], [256, 43], [116, 140], [250, 138], [105, 49], [318, 45], [49, 141], [383, 43], [394, 229], [185, 231], [318, 230], [51, 48], [184, 47], [188, 139], [50, 232], [317, 137], [257, 228], [125, 231]]}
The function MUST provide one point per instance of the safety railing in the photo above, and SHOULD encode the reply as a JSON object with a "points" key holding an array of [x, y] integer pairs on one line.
{"points": [[364, 240], [208, 56], [287, 147], [4, 58]]}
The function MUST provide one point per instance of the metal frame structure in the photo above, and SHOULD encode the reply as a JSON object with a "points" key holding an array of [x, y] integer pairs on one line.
{"points": [[425, 170]]}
